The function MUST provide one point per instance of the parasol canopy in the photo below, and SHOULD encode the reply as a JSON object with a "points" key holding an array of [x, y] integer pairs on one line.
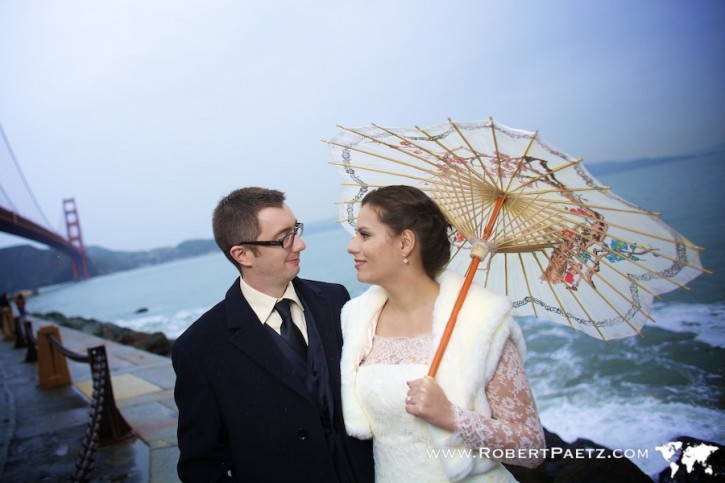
{"points": [[547, 234]]}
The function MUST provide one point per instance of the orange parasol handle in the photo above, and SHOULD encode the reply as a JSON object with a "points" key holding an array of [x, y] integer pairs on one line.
{"points": [[446, 337], [454, 316]]}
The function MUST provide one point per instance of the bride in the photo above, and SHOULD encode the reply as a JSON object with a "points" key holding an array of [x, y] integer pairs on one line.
{"points": [[479, 411]]}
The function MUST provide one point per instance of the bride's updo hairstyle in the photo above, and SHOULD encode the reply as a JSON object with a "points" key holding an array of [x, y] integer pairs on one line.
{"points": [[402, 208]]}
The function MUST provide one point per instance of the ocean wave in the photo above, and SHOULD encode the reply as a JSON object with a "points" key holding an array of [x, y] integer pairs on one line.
{"points": [[706, 321], [172, 325]]}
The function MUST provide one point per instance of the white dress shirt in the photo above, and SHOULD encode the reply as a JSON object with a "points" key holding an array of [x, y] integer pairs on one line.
{"points": [[263, 305]]}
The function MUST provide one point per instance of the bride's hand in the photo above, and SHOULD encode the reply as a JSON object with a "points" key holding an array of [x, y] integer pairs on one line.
{"points": [[427, 401]]}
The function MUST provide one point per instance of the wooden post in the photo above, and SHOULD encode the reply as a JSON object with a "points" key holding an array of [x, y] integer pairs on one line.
{"points": [[52, 365], [8, 324]]}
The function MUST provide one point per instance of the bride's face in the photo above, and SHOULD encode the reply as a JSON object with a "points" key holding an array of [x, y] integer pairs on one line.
{"points": [[377, 253]]}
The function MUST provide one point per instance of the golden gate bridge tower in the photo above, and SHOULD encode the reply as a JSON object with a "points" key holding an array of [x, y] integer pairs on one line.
{"points": [[75, 238], [14, 223]]}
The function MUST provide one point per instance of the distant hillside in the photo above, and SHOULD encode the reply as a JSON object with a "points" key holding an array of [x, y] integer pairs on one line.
{"points": [[108, 261], [25, 267]]}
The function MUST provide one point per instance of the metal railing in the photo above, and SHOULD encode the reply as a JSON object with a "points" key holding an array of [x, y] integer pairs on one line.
{"points": [[106, 425], [31, 353], [20, 341]]}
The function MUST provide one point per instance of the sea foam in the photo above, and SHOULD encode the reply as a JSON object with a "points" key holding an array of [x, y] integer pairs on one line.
{"points": [[707, 321]]}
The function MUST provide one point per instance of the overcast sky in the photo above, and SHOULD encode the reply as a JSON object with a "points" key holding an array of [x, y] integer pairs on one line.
{"points": [[147, 112]]}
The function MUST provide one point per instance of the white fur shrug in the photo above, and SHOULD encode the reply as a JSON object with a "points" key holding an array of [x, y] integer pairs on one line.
{"points": [[484, 325]]}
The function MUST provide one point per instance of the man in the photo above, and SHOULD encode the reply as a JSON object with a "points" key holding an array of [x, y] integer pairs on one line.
{"points": [[258, 384], [20, 304]]}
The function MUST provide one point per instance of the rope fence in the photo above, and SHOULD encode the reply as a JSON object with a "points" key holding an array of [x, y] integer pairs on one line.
{"points": [[106, 425]]}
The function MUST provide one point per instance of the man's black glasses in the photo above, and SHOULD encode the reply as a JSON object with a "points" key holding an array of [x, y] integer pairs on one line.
{"points": [[284, 242]]}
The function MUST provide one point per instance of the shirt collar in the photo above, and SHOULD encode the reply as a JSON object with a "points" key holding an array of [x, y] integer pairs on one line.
{"points": [[263, 304]]}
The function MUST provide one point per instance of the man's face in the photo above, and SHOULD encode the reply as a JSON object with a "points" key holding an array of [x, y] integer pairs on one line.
{"points": [[273, 267]]}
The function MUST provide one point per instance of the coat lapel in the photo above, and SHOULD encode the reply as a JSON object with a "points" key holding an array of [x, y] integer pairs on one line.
{"points": [[250, 337]]}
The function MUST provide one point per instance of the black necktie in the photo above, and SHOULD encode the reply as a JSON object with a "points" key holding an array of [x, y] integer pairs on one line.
{"points": [[289, 331]]}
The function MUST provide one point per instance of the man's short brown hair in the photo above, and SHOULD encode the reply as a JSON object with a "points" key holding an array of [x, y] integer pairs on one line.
{"points": [[236, 216]]}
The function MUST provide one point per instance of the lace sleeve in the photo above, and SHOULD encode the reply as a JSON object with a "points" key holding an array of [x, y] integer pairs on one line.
{"points": [[514, 423]]}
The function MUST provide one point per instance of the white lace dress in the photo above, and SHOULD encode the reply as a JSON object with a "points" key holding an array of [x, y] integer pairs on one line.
{"points": [[402, 445]]}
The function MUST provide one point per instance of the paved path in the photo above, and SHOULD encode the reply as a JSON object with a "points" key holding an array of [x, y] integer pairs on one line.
{"points": [[41, 430]]}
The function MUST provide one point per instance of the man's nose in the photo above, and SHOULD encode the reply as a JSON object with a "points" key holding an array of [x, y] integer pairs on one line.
{"points": [[298, 244]]}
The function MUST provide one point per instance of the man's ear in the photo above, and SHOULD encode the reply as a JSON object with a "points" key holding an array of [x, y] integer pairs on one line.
{"points": [[242, 255]]}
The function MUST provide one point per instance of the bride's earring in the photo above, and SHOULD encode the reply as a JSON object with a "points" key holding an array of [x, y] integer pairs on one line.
{"points": [[405, 260]]}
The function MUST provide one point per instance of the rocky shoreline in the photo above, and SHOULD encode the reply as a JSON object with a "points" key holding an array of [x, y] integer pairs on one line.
{"points": [[156, 342], [582, 461]]}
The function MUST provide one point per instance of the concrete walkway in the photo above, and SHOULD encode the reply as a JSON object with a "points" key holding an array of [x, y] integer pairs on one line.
{"points": [[41, 430]]}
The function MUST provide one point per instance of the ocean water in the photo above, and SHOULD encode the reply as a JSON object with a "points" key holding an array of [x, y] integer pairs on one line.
{"points": [[629, 394]]}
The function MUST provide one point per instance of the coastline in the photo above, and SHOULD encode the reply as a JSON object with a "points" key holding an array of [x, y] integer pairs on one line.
{"points": [[563, 460], [154, 342]]}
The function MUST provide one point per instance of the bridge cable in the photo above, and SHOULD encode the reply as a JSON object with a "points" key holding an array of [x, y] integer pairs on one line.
{"points": [[22, 176], [7, 197]]}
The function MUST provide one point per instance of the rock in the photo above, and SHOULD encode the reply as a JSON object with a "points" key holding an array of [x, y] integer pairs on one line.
{"points": [[88, 326], [583, 461], [156, 343], [141, 310]]}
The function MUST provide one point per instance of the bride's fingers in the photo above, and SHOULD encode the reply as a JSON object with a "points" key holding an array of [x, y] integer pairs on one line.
{"points": [[414, 383]]}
